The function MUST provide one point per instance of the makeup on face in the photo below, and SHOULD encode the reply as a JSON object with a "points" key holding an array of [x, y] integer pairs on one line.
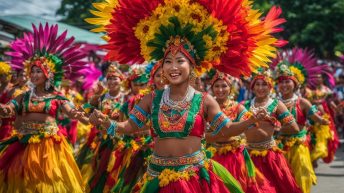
{"points": [[221, 89], [176, 68], [37, 76], [261, 88]]}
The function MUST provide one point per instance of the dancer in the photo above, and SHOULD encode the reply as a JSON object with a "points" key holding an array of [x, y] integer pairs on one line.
{"points": [[138, 144], [266, 156], [6, 94], [295, 68], [231, 152], [91, 158], [156, 82], [38, 158], [186, 35], [326, 139]]}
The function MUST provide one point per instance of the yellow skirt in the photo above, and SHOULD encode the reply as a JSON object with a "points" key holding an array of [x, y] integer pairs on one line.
{"points": [[322, 135], [299, 159], [41, 164]]}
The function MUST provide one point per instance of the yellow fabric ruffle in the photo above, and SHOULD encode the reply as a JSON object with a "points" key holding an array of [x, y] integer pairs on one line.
{"points": [[322, 135], [298, 157], [46, 166], [87, 172], [263, 153]]}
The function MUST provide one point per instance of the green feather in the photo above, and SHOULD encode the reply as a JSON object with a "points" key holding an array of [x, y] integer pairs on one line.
{"points": [[249, 164], [204, 174], [227, 178]]}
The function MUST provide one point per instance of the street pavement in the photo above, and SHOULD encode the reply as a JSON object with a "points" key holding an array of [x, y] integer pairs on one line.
{"points": [[331, 176]]}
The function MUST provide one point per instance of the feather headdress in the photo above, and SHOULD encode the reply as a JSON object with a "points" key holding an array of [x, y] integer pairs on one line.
{"points": [[54, 54], [299, 65], [226, 35]]}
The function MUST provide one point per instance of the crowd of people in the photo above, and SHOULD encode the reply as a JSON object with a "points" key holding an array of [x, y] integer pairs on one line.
{"points": [[208, 104]]}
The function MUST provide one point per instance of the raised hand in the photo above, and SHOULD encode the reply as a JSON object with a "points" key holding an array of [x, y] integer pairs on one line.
{"points": [[99, 89]]}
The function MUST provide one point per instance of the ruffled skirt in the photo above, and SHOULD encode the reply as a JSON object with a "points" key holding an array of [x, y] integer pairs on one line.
{"points": [[238, 162], [272, 163], [297, 153], [187, 174], [322, 137], [38, 163]]}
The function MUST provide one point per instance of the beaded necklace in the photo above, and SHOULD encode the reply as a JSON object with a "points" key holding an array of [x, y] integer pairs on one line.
{"points": [[270, 105], [291, 104]]}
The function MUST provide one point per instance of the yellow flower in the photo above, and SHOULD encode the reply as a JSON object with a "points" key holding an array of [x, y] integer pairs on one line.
{"points": [[259, 153], [212, 150], [120, 144], [5, 69], [34, 139], [298, 74], [134, 145], [167, 176], [187, 13]]}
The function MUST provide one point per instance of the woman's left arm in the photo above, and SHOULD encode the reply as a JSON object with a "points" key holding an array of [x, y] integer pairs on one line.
{"points": [[69, 109], [221, 125], [287, 120], [311, 112]]}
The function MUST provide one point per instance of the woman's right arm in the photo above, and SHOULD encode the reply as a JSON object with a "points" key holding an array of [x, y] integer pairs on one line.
{"points": [[138, 117], [11, 108]]}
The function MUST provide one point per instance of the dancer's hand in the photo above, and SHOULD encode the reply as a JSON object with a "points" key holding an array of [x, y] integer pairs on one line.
{"points": [[261, 114], [96, 117], [99, 89]]}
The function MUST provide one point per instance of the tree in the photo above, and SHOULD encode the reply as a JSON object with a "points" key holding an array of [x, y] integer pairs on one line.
{"points": [[75, 11], [316, 24]]}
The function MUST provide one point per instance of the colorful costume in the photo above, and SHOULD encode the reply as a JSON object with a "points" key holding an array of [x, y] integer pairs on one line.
{"points": [[299, 66], [326, 137], [38, 158], [224, 34], [6, 124], [103, 145], [187, 170], [266, 156], [94, 156], [131, 156], [232, 153]]}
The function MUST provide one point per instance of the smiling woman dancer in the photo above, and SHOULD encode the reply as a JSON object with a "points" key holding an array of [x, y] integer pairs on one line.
{"points": [[295, 68], [266, 156], [38, 158], [231, 152], [187, 36]]}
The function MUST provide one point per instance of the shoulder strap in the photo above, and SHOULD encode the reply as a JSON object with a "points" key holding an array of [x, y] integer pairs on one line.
{"points": [[247, 104], [273, 106]]}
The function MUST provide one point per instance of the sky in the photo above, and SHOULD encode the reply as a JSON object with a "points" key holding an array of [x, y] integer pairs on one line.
{"points": [[42, 8]]}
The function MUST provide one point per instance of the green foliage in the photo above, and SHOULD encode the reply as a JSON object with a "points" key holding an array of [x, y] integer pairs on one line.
{"points": [[75, 11], [316, 24]]}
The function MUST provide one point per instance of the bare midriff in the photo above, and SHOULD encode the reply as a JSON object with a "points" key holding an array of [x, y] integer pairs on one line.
{"points": [[174, 147], [37, 117], [258, 134]]}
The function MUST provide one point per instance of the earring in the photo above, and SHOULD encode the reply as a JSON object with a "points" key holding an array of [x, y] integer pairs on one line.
{"points": [[192, 76], [47, 85]]}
